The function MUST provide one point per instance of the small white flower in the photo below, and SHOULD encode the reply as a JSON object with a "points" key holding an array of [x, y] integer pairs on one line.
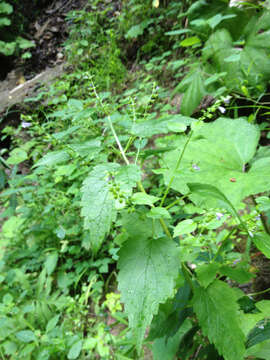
{"points": [[222, 109], [219, 215], [196, 167], [26, 124], [227, 99]]}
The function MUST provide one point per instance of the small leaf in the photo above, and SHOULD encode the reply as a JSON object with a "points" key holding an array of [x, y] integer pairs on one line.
{"points": [[17, 156], [51, 262], [5, 8], [239, 274], [75, 350], [62, 134], [137, 30], [260, 333], [176, 127], [10, 347], [142, 198], [206, 273], [7, 48], [4, 22], [233, 58], [159, 213], [60, 232], [26, 336], [193, 40], [193, 95], [211, 194], [24, 43], [184, 227], [89, 148], [53, 158], [52, 323]]}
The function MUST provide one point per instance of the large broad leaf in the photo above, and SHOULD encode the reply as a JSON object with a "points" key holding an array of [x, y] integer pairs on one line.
{"points": [[148, 268], [219, 154], [193, 95], [140, 224], [98, 204], [89, 148], [26, 336], [217, 311], [161, 125], [212, 197]]}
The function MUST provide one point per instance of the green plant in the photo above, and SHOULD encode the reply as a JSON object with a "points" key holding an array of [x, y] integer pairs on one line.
{"points": [[10, 46], [92, 42], [123, 189]]}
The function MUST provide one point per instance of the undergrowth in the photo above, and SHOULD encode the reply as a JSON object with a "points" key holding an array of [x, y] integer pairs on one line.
{"points": [[136, 192]]}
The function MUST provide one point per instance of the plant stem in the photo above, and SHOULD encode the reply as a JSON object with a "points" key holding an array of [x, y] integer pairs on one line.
{"points": [[186, 273], [140, 185], [175, 202], [176, 168], [259, 292], [111, 126]]}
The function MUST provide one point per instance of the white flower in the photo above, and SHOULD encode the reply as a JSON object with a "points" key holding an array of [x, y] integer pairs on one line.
{"points": [[196, 167], [226, 99], [219, 215], [26, 124], [222, 109]]}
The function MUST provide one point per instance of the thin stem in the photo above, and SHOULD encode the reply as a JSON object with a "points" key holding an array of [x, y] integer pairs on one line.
{"points": [[165, 228], [140, 186], [175, 202], [130, 141], [111, 126], [138, 151], [221, 246], [2, 355], [187, 275], [117, 140], [176, 168], [259, 292]]}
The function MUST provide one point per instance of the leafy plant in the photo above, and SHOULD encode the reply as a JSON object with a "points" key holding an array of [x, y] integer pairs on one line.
{"points": [[125, 192], [8, 47]]}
